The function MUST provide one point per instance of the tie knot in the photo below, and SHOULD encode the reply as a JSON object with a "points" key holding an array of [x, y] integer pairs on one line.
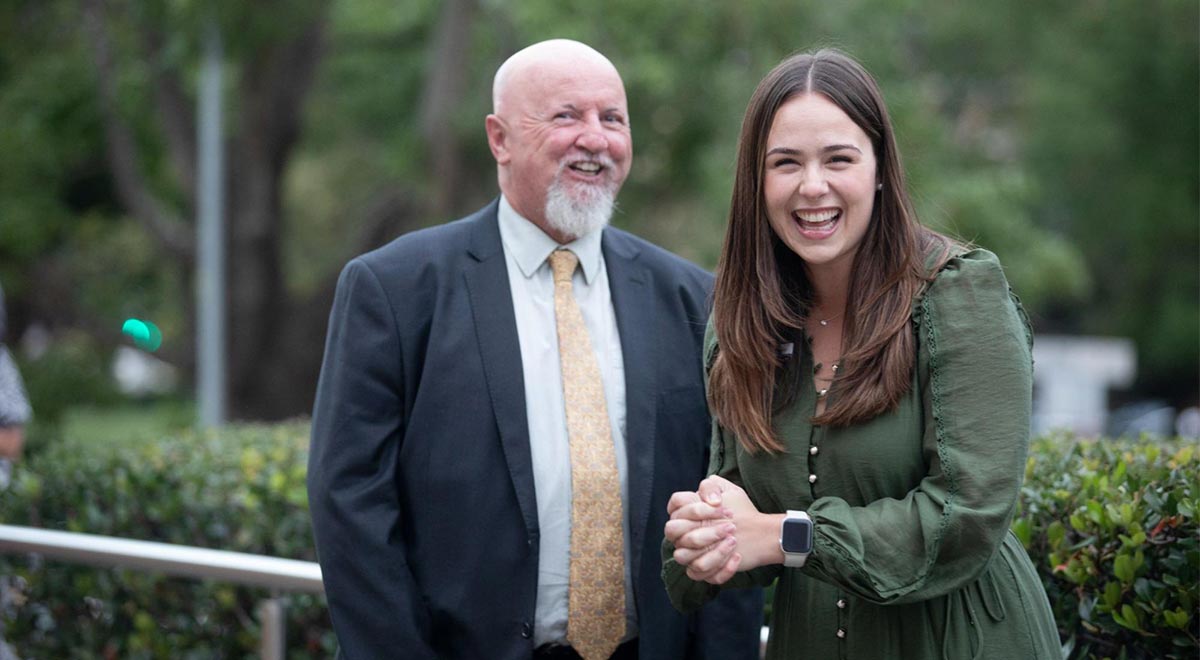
{"points": [[563, 263]]}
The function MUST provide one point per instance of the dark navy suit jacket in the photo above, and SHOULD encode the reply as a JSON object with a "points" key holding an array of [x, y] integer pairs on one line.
{"points": [[420, 479]]}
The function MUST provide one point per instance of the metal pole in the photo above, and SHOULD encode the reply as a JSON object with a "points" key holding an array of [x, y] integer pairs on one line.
{"points": [[210, 275], [274, 628]]}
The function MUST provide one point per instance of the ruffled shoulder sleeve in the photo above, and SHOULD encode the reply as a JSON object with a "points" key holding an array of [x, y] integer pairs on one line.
{"points": [[969, 280], [967, 296]]}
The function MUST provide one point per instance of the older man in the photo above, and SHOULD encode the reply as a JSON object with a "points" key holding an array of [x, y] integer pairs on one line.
{"points": [[507, 402]]}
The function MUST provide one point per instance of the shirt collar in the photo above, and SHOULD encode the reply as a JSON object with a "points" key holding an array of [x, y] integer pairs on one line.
{"points": [[530, 246]]}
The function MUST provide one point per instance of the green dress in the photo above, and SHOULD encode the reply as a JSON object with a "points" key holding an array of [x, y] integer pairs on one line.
{"points": [[913, 557]]}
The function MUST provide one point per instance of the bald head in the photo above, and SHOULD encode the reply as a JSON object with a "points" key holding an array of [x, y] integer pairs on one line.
{"points": [[531, 62]]}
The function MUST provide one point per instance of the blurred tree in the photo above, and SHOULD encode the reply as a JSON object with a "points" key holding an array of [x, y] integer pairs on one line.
{"points": [[273, 54], [1112, 124], [351, 121], [143, 58]]}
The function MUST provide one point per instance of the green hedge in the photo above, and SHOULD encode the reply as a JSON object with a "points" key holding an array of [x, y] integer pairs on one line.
{"points": [[1112, 528], [241, 490], [1111, 525]]}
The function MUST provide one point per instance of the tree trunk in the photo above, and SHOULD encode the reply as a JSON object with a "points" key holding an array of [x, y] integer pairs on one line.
{"points": [[444, 91], [274, 85]]}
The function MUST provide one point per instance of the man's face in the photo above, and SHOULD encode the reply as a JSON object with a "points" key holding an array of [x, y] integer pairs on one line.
{"points": [[565, 126]]}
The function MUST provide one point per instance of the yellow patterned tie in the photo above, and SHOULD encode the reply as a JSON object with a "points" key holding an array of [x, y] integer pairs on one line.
{"points": [[596, 602]]}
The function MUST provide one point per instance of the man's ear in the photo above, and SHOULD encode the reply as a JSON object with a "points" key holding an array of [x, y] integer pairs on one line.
{"points": [[497, 134]]}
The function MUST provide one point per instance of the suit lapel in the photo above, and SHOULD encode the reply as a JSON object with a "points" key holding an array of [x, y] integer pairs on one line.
{"points": [[631, 286], [496, 331]]}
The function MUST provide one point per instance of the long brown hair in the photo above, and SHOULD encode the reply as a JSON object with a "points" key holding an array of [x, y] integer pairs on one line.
{"points": [[762, 293]]}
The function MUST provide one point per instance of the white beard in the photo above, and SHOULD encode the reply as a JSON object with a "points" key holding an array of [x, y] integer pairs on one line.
{"points": [[579, 214]]}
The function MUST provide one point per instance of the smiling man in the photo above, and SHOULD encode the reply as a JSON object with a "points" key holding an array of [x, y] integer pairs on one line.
{"points": [[508, 400]]}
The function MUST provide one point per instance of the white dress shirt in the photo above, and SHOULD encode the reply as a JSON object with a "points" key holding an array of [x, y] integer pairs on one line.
{"points": [[526, 249]]}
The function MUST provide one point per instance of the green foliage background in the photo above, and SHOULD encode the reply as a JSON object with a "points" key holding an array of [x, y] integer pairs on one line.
{"points": [[1061, 135]]}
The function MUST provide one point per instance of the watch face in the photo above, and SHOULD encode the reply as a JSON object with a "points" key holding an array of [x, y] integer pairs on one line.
{"points": [[797, 535]]}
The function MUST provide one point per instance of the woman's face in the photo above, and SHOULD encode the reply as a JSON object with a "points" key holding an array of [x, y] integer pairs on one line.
{"points": [[819, 182]]}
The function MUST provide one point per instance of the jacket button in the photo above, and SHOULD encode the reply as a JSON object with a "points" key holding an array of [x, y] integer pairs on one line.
{"points": [[841, 603], [813, 450], [841, 634], [812, 478], [527, 630]]}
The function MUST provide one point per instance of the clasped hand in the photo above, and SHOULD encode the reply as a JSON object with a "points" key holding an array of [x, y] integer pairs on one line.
{"points": [[712, 530]]}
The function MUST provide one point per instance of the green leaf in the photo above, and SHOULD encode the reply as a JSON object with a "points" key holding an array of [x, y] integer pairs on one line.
{"points": [[1187, 508], [1123, 568], [1077, 569], [1119, 472], [1138, 538], [1112, 595], [1143, 588], [1152, 452], [1055, 533], [1023, 530], [1114, 513], [1128, 618], [1126, 514]]}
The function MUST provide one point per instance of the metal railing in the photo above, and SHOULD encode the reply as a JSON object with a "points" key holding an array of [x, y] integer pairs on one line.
{"points": [[187, 561], [279, 575]]}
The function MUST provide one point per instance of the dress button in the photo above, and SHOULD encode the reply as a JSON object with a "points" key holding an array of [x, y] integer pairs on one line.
{"points": [[841, 634], [812, 478], [527, 630], [813, 450], [841, 603]]}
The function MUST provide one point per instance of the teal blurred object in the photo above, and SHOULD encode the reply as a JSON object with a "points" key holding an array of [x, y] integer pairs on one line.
{"points": [[145, 335]]}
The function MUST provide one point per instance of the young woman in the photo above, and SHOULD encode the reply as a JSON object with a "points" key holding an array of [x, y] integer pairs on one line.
{"points": [[870, 383]]}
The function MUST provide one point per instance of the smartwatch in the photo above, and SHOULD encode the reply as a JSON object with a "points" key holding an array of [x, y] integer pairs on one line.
{"points": [[796, 538]]}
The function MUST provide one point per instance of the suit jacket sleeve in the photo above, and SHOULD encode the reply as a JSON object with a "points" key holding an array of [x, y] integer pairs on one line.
{"points": [[357, 430]]}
